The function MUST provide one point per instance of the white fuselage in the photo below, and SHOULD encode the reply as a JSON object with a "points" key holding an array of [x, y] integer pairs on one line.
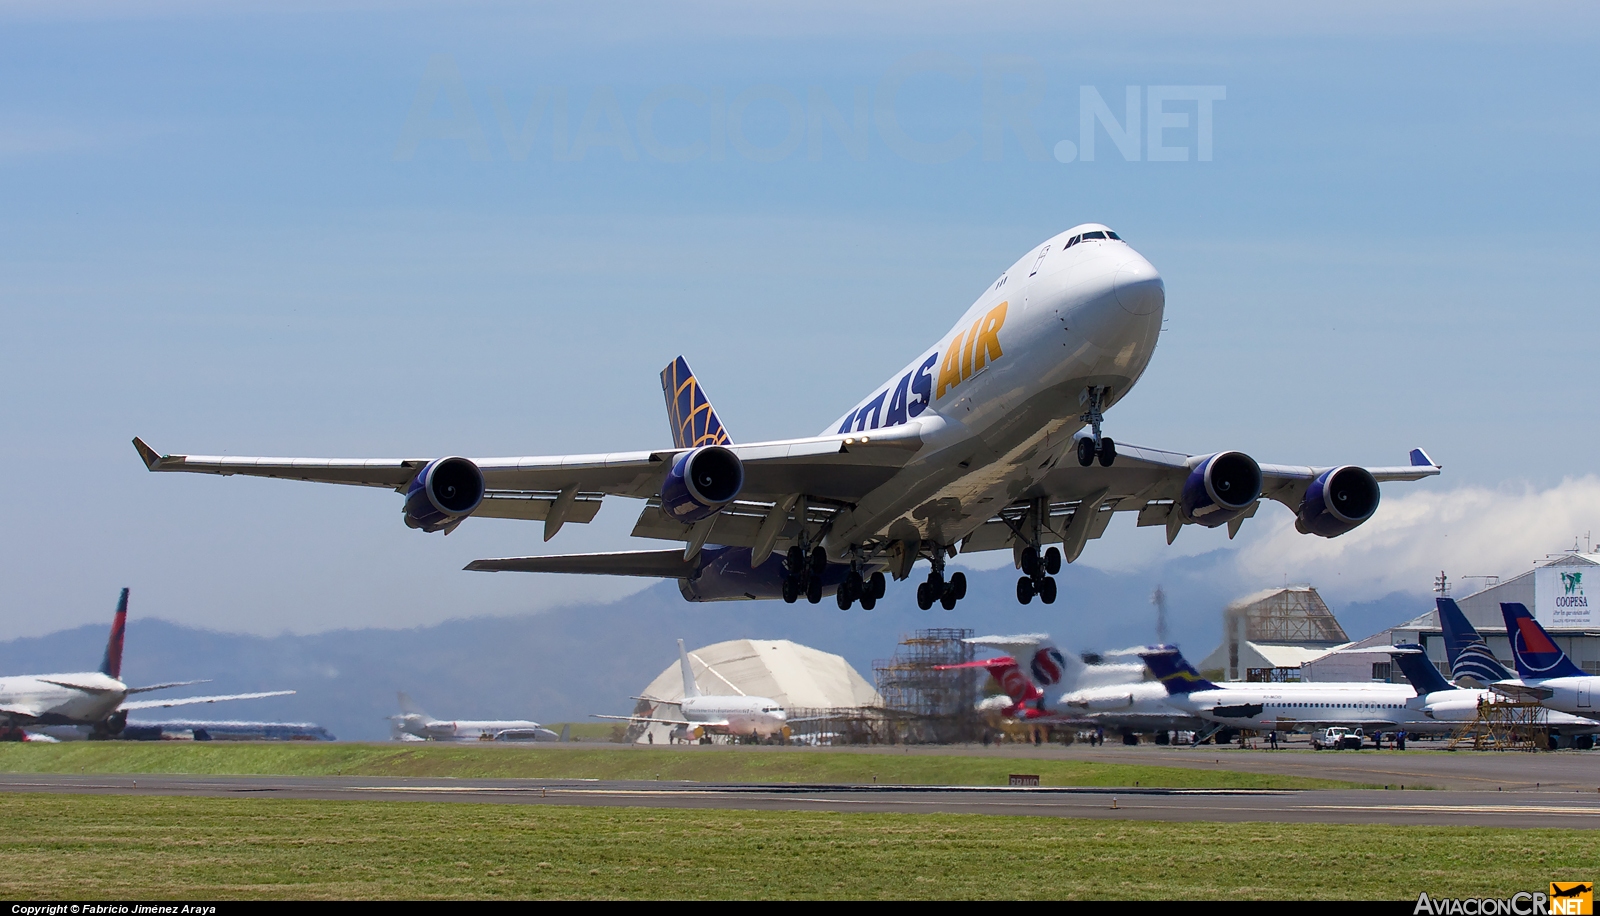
{"points": [[80, 698], [992, 425], [1574, 695], [1298, 707], [474, 730], [1134, 707], [734, 715]]}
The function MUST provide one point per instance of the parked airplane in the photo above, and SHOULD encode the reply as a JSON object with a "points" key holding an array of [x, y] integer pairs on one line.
{"points": [[961, 450], [90, 704], [1545, 673], [1452, 707], [1374, 707], [413, 724], [1112, 697], [703, 714], [1471, 660], [1032, 665]]}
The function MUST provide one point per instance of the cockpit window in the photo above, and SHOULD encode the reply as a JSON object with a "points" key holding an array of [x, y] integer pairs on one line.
{"points": [[1096, 235]]}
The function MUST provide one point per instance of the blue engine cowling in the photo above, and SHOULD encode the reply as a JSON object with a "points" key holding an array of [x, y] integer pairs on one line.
{"points": [[701, 482], [1220, 489], [443, 494], [1337, 501]]}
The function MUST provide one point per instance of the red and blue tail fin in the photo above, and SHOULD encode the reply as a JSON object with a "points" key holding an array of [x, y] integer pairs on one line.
{"points": [[1414, 664], [111, 665], [1536, 654], [694, 422], [1174, 672], [1469, 655]]}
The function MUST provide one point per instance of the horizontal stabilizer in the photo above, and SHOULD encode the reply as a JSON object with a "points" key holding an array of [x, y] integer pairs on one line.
{"points": [[660, 564]]}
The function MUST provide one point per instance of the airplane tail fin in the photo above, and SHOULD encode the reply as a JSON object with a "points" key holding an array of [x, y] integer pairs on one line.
{"points": [[694, 421], [1537, 656], [111, 665], [1036, 656], [1173, 670], [1414, 664], [1469, 654], [690, 688], [408, 707]]}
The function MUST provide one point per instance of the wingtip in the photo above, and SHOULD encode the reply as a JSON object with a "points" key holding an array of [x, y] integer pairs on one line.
{"points": [[1420, 458]]}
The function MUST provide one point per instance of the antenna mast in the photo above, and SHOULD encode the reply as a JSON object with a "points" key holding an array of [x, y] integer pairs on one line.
{"points": [[1159, 599]]}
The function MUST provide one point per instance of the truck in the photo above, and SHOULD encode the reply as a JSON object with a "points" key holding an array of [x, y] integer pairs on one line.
{"points": [[1337, 738]]}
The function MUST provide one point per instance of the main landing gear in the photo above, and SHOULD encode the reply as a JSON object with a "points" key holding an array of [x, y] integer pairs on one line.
{"points": [[937, 589], [1096, 445], [1039, 575], [804, 574], [868, 589]]}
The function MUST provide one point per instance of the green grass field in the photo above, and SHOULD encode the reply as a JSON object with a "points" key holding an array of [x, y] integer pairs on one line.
{"points": [[701, 764], [106, 847]]}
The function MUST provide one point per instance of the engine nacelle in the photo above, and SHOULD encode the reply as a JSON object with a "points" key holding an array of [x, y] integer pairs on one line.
{"points": [[701, 482], [1221, 489], [1337, 501], [443, 494]]}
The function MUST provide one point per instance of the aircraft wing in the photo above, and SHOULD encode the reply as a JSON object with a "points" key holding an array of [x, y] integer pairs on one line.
{"points": [[841, 467], [191, 701], [718, 724], [1148, 481], [664, 564], [133, 690], [1517, 690]]}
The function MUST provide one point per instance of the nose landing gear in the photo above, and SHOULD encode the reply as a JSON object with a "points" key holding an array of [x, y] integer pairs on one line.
{"points": [[1096, 446]]}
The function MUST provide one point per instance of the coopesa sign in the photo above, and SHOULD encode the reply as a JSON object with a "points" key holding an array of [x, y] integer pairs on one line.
{"points": [[1559, 598]]}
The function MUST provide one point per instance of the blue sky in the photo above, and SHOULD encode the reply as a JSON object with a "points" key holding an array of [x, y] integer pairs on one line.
{"points": [[211, 237]]}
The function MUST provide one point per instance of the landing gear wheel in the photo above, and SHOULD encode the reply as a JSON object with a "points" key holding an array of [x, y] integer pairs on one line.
{"points": [[790, 592], [1046, 588], [876, 586], [1052, 561], [948, 600], [814, 590], [853, 585], [924, 599], [1086, 452], [1108, 451], [936, 585], [868, 602], [795, 561], [843, 597], [1024, 590], [958, 586], [1030, 561], [819, 562]]}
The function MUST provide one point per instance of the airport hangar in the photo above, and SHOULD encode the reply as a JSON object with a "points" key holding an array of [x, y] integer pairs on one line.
{"points": [[1289, 634], [798, 677]]}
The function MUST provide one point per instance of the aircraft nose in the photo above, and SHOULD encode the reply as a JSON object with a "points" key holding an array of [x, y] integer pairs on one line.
{"points": [[1138, 288]]}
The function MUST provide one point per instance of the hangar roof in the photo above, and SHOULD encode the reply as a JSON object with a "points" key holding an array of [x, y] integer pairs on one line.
{"points": [[796, 676]]}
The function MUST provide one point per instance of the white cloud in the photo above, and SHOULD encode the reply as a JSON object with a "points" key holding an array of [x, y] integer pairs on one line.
{"points": [[1467, 531]]}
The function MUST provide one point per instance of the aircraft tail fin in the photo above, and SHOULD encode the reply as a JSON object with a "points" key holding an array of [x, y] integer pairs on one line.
{"points": [[1537, 656], [1174, 672], [566, 733], [1414, 664], [694, 421], [111, 664], [1469, 654], [1036, 656], [408, 707], [690, 688]]}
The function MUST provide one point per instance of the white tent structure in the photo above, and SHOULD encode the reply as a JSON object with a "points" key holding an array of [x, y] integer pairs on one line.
{"points": [[798, 677]]}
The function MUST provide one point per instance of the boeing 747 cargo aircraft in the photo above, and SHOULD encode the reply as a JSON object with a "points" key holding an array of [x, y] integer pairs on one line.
{"points": [[993, 438]]}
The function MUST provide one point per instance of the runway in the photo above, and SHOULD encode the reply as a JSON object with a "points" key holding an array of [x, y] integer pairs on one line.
{"points": [[1541, 808]]}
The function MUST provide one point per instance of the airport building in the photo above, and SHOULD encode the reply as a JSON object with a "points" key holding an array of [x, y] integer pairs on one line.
{"points": [[1272, 634], [798, 677]]}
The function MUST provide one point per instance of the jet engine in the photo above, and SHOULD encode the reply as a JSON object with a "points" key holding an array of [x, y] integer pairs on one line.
{"points": [[443, 494], [701, 482], [1337, 501], [1221, 489]]}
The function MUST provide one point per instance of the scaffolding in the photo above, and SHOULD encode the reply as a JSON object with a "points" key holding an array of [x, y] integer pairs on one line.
{"points": [[923, 704], [1504, 725]]}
